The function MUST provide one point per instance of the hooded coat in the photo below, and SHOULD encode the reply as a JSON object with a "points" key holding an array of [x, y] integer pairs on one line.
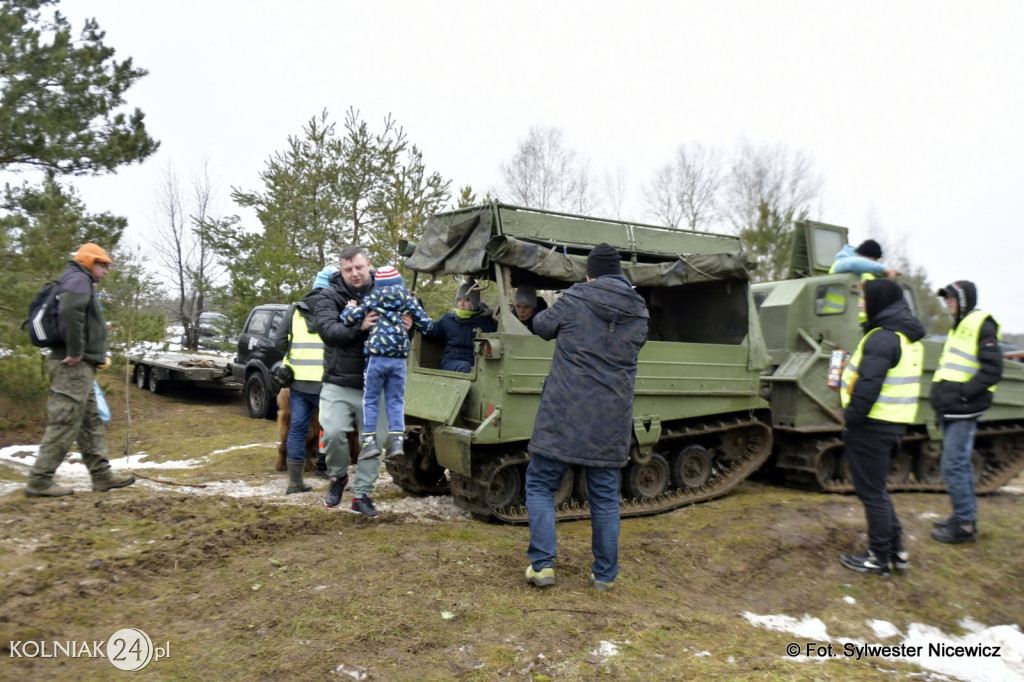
{"points": [[952, 399], [283, 337], [457, 333], [586, 408], [79, 317], [889, 313]]}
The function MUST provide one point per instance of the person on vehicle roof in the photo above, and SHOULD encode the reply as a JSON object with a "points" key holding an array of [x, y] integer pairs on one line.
{"points": [[341, 395], [458, 328], [879, 392], [72, 414], [586, 411], [963, 387]]}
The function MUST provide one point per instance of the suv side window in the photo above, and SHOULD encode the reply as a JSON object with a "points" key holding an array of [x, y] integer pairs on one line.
{"points": [[276, 322], [261, 319]]}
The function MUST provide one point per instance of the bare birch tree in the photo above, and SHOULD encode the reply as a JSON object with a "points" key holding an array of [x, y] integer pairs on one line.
{"points": [[684, 194], [184, 248], [545, 174]]}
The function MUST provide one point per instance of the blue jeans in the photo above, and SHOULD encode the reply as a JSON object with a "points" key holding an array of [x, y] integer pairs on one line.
{"points": [[384, 375], [957, 471], [302, 405], [543, 478]]}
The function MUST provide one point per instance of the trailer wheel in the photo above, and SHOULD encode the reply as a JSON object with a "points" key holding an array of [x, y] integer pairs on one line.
{"points": [[258, 399], [156, 385], [141, 376]]}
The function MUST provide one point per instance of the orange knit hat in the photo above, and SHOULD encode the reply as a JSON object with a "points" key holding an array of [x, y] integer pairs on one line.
{"points": [[90, 253]]}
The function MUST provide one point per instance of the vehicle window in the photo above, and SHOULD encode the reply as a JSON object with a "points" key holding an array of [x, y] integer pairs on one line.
{"points": [[276, 322], [830, 299], [259, 322]]}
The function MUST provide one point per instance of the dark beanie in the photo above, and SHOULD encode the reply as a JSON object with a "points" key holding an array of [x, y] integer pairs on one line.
{"points": [[869, 248], [603, 260], [879, 294]]}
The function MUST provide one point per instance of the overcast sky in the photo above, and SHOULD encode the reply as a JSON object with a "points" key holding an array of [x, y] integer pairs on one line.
{"points": [[911, 111]]}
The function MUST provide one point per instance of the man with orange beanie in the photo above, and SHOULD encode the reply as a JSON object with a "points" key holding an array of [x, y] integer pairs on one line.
{"points": [[71, 406]]}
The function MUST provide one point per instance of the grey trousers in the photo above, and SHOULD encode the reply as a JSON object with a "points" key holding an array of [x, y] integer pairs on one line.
{"points": [[341, 408], [71, 415]]}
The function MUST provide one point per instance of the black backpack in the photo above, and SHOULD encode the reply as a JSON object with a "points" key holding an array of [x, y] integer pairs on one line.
{"points": [[43, 327]]}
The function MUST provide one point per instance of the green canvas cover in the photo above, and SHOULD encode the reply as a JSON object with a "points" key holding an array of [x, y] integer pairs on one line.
{"points": [[465, 242]]}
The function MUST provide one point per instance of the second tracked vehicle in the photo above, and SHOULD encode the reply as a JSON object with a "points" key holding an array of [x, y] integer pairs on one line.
{"points": [[811, 314], [699, 419]]}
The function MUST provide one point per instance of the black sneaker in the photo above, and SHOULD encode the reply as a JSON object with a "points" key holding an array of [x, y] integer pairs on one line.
{"points": [[395, 447], [368, 447], [900, 560], [335, 489], [865, 563], [364, 505], [956, 533], [942, 523]]}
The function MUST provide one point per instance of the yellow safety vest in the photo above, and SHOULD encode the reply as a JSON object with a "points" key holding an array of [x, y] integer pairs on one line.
{"points": [[305, 352], [835, 299], [959, 359], [898, 400]]}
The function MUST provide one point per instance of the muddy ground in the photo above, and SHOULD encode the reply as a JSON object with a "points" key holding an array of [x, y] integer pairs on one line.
{"points": [[244, 582]]}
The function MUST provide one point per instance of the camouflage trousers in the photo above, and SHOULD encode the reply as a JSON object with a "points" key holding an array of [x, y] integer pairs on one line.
{"points": [[71, 415]]}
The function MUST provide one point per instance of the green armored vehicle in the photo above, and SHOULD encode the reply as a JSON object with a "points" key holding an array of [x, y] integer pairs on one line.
{"points": [[807, 317], [697, 425]]}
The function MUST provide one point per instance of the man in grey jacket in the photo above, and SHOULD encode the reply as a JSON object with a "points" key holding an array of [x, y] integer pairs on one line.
{"points": [[71, 409], [586, 411]]}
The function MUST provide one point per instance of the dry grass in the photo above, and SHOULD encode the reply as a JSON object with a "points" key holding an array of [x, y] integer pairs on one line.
{"points": [[256, 589]]}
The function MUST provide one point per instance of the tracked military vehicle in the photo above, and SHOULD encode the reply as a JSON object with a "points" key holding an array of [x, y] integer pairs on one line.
{"points": [[699, 424], [807, 317]]}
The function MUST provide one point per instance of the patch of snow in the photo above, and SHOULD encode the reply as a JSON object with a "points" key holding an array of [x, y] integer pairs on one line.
{"points": [[269, 487], [849, 600], [605, 651], [808, 627], [883, 628], [976, 660]]}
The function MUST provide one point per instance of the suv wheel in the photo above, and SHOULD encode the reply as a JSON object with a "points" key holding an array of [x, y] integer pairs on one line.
{"points": [[258, 398]]}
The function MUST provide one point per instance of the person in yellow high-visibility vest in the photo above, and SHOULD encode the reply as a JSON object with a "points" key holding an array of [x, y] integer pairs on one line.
{"points": [[963, 387], [879, 393], [304, 356]]}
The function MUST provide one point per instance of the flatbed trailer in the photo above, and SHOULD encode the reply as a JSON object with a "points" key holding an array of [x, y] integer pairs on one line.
{"points": [[156, 371]]}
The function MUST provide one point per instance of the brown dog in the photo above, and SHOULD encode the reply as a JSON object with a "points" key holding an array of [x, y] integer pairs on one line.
{"points": [[312, 442], [284, 420]]}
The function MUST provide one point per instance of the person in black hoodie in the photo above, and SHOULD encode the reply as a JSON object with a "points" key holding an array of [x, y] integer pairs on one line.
{"points": [[970, 366], [879, 393]]}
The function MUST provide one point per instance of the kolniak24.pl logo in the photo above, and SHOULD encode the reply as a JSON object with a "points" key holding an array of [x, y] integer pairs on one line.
{"points": [[127, 649]]}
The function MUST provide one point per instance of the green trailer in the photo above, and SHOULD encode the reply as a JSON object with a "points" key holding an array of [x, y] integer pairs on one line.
{"points": [[700, 421]]}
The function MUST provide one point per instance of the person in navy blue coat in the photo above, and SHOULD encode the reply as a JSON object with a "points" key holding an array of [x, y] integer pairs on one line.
{"points": [[457, 329]]}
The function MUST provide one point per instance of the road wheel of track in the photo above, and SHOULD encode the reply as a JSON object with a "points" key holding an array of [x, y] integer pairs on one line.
{"points": [[506, 488], [643, 481], [691, 467], [899, 469], [141, 376], [928, 470], [564, 492], [579, 488]]}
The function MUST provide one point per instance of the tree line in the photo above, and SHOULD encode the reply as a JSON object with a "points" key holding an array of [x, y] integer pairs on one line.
{"points": [[332, 184]]}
